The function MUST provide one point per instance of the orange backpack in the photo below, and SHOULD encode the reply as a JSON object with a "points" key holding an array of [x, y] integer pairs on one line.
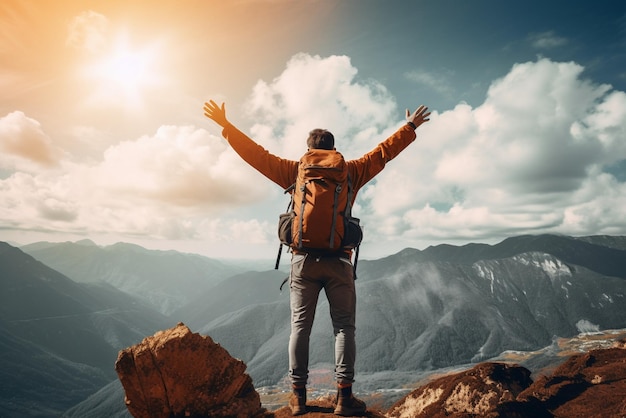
{"points": [[321, 200]]}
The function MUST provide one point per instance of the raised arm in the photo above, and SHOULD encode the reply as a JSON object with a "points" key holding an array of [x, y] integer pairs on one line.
{"points": [[281, 171], [368, 166]]}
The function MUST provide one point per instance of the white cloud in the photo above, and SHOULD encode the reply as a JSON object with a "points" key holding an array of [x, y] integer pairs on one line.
{"points": [[160, 186], [315, 92], [607, 124], [36, 202], [88, 32], [527, 160], [599, 205], [436, 81], [181, 166], [547, 40], [523, 139], [24, 144]]}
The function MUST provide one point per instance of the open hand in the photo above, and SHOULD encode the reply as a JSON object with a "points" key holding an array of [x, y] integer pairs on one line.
{"points": [[216, 113], [418, 117]]}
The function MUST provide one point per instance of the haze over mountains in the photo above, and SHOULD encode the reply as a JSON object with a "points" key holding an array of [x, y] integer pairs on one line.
{"points": [[67, 309], [165, 279]]}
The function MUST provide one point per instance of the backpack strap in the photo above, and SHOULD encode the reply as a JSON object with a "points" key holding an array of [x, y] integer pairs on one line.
{"points": [[333, 225], [348, 211], [348, 214], [301, 217], [280, 245]]}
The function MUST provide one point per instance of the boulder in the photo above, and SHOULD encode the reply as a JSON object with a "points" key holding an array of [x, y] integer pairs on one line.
{"points": [[176, 373]]}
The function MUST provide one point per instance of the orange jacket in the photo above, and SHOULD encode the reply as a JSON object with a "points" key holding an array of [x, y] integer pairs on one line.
{"points": [[284, 172]]}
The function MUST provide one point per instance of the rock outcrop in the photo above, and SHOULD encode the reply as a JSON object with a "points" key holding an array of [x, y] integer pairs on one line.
{"points": [[177, 373], [474, 392], [588, 385]]}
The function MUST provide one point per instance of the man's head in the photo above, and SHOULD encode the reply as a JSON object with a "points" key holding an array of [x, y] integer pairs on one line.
{"points": [[320, 139]]}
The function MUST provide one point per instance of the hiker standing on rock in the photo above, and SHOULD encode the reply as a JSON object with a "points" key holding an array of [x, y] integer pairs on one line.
{"points": [[318, 235]]}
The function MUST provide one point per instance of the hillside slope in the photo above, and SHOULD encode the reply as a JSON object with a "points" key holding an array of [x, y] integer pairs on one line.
{"points": [[60, 338]]}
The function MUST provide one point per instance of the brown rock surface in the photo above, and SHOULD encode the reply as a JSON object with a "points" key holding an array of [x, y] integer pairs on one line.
{"points": [[474, 392], [179, 373], [589, 385], [322, 407]]}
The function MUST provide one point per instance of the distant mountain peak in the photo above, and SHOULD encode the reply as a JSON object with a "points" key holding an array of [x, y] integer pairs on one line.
{"points": [[86, 243], [126, 246]]}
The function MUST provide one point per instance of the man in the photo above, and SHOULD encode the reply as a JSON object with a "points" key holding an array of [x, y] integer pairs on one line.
{"points": [[310, 273]]}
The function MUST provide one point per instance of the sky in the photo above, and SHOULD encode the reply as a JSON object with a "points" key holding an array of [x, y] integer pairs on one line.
{"points": [[102, 134]]}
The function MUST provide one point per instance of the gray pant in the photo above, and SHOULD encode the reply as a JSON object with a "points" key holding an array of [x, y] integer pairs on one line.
{"points": [[309, 275]]}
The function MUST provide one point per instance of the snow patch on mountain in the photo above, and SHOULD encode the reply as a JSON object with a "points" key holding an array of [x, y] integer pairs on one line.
{"points": [[552, 266], [486, 273]]}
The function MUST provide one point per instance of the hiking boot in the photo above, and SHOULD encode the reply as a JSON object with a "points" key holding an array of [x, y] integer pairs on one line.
{"points": [[347, 404], [297, 401]]}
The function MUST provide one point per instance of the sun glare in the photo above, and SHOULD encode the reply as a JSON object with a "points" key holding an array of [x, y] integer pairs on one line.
{"points": [[125, 68], [124, 73]]}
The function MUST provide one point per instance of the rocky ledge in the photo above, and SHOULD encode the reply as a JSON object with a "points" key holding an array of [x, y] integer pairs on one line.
{"points": [[177, 373]]}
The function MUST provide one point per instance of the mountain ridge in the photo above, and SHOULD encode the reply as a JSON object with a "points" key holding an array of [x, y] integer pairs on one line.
{"points": [[599, 253], [164, 279]]}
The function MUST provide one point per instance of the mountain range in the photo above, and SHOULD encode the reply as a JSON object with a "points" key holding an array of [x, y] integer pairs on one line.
{"points": [[164, 279], [67, 309]]}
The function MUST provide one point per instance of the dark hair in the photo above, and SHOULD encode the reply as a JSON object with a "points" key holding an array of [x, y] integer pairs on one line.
{"points": [[320, 139]]}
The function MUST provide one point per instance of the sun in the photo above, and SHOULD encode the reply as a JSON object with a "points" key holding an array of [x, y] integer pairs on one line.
{"points": [[124, 73], [125, 68]]}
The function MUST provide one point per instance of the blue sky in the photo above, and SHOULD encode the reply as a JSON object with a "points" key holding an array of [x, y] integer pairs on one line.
{"points": [[102, 134], [464, 45]]}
